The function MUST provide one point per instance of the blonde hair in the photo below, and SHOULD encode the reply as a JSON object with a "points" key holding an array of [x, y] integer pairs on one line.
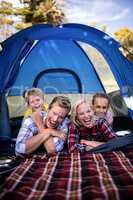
{"points": [[33, 91], [74, 111]]}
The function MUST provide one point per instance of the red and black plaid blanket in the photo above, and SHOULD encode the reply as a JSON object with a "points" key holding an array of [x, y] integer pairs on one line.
{"points": [[106, 176]]}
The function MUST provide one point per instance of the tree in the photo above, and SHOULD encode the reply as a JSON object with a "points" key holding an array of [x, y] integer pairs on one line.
{"points": [[41, 11], [125, 37], [30, 12]]}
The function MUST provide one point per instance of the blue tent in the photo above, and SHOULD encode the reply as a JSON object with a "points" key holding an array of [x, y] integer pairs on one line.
{"points": [[54, 51], [51, 58]]}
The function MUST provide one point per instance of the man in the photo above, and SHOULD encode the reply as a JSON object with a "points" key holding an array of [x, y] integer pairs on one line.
{"points": [[49, 129]]}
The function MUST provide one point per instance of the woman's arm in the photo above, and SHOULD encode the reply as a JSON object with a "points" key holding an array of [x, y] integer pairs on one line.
{"points": [[91, 144], [73, 139], [28, 140]]}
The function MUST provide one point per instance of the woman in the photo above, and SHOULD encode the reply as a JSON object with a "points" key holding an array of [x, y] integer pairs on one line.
{"points": [[85, 132]]}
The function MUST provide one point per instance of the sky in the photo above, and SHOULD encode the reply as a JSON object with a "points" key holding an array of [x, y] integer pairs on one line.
{"points": [[115, 14]]}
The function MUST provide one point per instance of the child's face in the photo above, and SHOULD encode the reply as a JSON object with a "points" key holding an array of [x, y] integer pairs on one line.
{"points": [[100, 106], [35, 102]]}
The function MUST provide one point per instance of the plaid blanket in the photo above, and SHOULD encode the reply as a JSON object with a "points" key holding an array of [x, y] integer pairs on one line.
{"points": [[106, 176]]}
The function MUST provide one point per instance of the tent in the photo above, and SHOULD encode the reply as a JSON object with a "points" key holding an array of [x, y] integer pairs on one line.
{"points": [[52, 58]]}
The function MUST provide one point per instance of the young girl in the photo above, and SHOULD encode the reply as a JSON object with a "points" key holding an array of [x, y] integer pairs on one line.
{"points": [[34, 98], [100, 106]]}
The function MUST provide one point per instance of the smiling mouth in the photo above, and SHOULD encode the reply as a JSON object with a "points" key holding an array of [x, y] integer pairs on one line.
{"points": [[53, 125], [87, 122], [37, 106]]}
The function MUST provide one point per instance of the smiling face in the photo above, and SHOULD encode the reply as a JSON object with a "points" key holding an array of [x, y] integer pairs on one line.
{"points": [[35, 102], [55, 116], [85, 115], [100, 106]]}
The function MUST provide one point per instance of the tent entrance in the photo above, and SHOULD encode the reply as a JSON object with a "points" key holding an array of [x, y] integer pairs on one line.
{"points": [[58, 81]]}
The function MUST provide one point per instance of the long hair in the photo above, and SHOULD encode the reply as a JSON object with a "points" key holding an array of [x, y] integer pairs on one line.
{"points": [[74, 112]]}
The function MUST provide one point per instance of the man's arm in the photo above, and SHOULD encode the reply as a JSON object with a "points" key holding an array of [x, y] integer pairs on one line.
{"points": [[49, 143], [27, 142], [35, 141], [53, 132]]}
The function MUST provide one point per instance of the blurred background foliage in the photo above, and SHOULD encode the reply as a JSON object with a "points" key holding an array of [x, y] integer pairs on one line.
{"points": [[31, 12], [125, 37]]}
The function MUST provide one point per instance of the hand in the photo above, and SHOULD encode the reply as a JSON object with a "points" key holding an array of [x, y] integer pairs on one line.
{"points": [[91, 143], [88, 143], [62, 136], [83, 142], [59, 134], [87, 148]]}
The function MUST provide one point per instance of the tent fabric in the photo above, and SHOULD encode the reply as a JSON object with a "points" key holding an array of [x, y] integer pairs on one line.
{"points": [[59, 63], [17, 45], [5, 130], [10, 64]]}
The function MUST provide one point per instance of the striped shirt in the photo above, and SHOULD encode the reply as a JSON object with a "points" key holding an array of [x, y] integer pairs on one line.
{"points": [[29, 129]]}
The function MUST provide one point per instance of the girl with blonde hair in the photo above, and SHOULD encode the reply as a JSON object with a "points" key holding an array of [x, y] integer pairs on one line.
{"points": [[34, 99]]}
